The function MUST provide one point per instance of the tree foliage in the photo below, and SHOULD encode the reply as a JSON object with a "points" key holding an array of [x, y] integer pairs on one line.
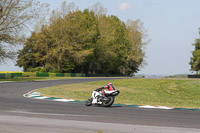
{"points": [[86, 41], [195, 59], [15, 15]]}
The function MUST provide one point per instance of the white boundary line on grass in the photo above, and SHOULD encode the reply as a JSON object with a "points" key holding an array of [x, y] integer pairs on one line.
{"points": [[6, 82], [155, 107], [36, 95]]}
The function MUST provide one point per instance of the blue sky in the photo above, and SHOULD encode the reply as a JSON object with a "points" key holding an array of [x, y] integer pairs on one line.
{"points": [[172, 26]]}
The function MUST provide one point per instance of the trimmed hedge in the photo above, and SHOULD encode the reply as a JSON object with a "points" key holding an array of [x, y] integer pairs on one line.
{"points": [[67, 74], [60, 74], [42, 74], [6, 75], [16, 74], [2, 76], [38, 74], [193, 76], [28, 74]]}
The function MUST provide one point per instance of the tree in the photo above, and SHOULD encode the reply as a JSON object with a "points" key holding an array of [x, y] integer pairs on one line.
{"points": [[27, 54], [64, 44], [84, 42], [136, 35], [195, 59], [98, 9], [112, 45], [15, 16]]}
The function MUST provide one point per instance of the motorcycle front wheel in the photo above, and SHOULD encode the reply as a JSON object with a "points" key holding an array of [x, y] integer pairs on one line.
{"points": [[89, 102], [109, 102]]}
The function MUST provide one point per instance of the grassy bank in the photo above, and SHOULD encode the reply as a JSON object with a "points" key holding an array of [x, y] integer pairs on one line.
{"points": [[162, 92]]}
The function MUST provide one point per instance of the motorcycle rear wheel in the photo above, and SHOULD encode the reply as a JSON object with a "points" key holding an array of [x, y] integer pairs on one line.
{"points": [[110, 102]]}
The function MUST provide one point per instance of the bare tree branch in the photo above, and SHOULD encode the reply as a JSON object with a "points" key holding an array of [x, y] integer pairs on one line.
{"points": [[15, 18]]}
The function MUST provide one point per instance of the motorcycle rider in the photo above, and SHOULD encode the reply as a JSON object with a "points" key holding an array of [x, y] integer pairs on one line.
{"points": [[101, 96], [109, 86]]}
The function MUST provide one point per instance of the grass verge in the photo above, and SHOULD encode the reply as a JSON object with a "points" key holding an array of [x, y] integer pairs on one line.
{"points": [[157, 92]]}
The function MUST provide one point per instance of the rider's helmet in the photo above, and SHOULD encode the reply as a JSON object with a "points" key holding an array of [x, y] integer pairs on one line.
{"points": [[109, 83]]}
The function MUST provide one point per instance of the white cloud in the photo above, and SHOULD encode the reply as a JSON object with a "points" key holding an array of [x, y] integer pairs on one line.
{"points": [[124, 6]]}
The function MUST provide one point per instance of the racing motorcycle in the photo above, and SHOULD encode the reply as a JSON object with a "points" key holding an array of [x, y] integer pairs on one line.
{"points": [[103, 98]]}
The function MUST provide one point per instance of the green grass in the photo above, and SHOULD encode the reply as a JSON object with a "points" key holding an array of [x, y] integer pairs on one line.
{"points": [[35, 78], [157, 92]]}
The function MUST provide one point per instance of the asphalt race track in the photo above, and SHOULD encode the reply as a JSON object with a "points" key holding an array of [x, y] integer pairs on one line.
{"points": [[20, 115]]}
